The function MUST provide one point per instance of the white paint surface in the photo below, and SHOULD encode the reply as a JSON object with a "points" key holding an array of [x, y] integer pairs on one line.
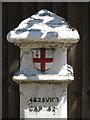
{"points": [[43, 91], [49, 31], [44, 26], [59, 71], [59, 60]]}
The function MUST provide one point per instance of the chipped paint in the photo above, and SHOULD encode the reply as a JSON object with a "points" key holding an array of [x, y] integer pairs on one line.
{"points": [[44, 26], [43, 90], [51, 98]]}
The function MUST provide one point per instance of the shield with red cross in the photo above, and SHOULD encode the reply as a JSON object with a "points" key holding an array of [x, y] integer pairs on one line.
{"points": [[43, 58]]}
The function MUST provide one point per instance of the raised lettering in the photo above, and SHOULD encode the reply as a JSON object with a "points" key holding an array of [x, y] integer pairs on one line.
{"points": [[30, 100], [39, 99], [43, 99], [53, 99], [35, 99], [48, 99], [57, 99]]}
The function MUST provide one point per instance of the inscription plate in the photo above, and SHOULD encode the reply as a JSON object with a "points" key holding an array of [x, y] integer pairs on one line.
{"points": [[43, 101]]}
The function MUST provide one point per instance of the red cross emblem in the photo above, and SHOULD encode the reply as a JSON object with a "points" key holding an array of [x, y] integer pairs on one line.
{"points": [[42, 58]]}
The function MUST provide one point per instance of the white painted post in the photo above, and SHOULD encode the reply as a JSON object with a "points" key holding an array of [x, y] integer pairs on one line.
{"points": [[44, 73]]}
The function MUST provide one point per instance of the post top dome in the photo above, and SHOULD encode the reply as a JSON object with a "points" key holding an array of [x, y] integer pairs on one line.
{"points": [[44, 26]]}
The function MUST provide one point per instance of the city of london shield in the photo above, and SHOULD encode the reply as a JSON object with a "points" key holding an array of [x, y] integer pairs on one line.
{"points": [[43, 58]]}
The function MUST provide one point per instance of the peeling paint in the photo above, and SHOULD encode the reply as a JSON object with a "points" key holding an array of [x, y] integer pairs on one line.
{"points": [[43, 89], [47, 28]]}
